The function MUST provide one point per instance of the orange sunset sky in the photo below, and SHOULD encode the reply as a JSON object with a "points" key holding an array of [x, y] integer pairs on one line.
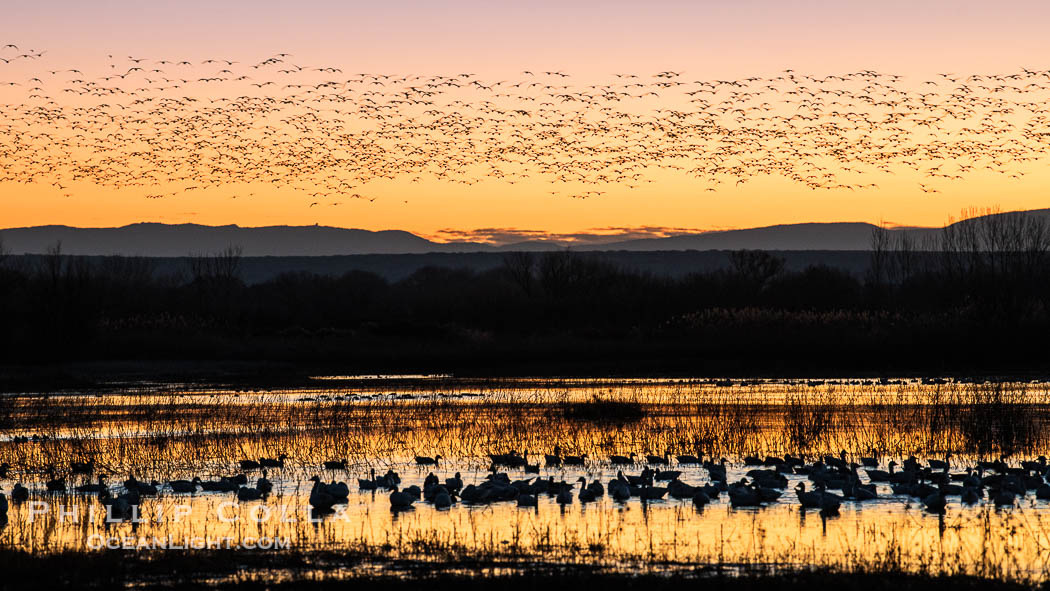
{"points": [[593, 41]]}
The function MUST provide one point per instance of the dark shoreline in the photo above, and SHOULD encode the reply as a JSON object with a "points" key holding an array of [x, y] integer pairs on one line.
{"points": [[231, 569], [241, 374]]}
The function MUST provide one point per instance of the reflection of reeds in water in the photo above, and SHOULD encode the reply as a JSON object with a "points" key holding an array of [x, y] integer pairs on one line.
{"points": [[1009, 545], [165, 436]]}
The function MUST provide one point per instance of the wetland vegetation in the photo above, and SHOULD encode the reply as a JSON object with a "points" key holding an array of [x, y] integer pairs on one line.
{"points": [[144, 440]]}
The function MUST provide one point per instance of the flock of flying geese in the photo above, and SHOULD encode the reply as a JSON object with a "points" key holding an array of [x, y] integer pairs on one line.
{"points": [[763, 481], [167, 127]]}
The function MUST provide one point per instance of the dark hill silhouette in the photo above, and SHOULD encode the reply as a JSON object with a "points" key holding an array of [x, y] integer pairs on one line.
{"points": [[163, 240], [811, 236]]}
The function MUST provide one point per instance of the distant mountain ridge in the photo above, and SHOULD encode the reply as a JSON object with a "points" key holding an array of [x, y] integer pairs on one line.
{"points": [[806, 236], [177, 240]]}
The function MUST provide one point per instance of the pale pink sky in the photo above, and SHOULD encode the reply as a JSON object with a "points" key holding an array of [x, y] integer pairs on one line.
{"points": [[705, 38]]}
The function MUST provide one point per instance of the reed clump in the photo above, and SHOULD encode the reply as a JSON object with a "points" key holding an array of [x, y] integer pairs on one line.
{"points": [[603, 410]]}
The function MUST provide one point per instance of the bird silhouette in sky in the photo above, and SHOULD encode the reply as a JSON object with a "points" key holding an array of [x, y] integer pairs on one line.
{"points": [[164, 126]]}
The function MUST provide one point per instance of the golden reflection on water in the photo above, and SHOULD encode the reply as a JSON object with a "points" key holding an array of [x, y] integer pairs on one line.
{"points": [[166, 433]]}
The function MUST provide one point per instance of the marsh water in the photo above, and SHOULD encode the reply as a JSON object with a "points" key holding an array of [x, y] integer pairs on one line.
{"points": [[164, 432]]}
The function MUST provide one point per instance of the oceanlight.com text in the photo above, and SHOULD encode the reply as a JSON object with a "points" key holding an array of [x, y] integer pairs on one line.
{"points": [[100, 542]]}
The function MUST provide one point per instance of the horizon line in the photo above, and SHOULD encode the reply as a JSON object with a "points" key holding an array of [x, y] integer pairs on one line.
{"points": [[502, 237]]}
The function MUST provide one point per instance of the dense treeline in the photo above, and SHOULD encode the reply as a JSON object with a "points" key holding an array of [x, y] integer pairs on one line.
{"points": [[980, 297]]}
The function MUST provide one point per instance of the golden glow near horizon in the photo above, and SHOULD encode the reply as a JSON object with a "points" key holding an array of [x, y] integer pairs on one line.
{"points": [[456, 147]]}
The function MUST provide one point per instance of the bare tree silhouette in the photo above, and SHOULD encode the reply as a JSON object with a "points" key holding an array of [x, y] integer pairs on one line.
{"points": [[756, 267]]}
